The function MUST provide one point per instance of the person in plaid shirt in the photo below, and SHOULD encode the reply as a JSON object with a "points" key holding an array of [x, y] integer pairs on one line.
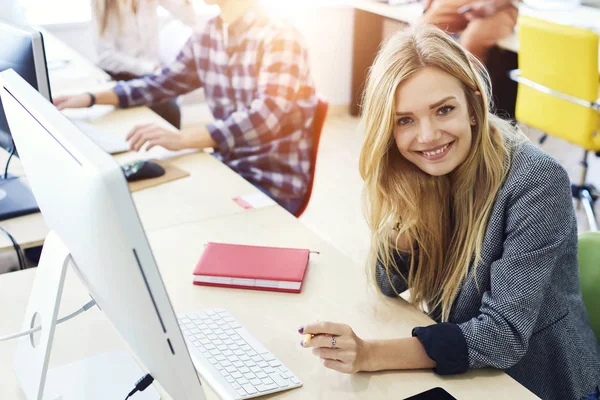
{"points": [[256, 79]]}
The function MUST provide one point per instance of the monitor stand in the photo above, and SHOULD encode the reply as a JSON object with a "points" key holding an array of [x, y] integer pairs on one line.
{"points": [[16, 198], [107, 376]]}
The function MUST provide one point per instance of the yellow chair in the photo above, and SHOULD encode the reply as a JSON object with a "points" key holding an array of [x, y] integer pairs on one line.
{"points": [[558, 91]]}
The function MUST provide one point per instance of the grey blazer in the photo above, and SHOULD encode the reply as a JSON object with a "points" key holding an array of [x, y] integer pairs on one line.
{"points": [[527, 317]]}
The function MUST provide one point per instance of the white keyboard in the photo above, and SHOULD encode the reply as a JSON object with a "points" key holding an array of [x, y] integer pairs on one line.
{"points": [[106, 141], [230, 359]]}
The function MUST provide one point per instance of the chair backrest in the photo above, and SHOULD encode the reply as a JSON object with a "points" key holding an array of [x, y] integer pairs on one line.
{"points": [[564, 59], [589, 276], [318, 122]]}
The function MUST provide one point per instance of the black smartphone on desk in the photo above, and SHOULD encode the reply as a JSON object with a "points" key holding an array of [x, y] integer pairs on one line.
{"points": [[433, 394]]}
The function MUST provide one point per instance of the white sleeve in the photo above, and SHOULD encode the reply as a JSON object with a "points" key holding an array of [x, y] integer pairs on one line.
{"points": [[112, 60], [183, 10]]}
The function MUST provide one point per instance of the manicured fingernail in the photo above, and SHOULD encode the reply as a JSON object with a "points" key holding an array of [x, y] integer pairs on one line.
{"points": [[301, 329], [302, 343]]}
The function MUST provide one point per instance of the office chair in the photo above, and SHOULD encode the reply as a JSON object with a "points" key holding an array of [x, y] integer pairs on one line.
{"points": [[558, 91], [318, 122], [589, 277]]}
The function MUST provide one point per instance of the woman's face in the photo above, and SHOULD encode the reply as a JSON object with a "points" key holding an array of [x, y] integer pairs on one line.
{"points": [[432, 124]]}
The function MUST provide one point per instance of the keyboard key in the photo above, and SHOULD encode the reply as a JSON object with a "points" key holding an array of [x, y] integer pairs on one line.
{"points": [[236, 374], [249, 375], [261, 375], [222, 347], [238, 364], [194, 330], [231, 369], [228, 353], [262, 364], [247, 348], [219, 367], [224, 372], [225, 363], [233, 357], [250, 389], [236, 385], [229, 332], [268, 381], [279, 381], [244, 370], [269, 370], [274, 363], [295, 381], [230, 379], [239, 353], [242, 392], [268, 357], [266, 388], [242, 381], [250, 363], [252, 353], [256, 358], [256, 382], [256, 369]]}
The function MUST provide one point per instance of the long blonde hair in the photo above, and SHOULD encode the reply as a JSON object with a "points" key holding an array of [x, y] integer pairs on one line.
{"points": [[107, 11], [442, 218]]}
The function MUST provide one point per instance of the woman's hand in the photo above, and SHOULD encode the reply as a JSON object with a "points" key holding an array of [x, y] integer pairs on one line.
{"points": [[337, 346]]}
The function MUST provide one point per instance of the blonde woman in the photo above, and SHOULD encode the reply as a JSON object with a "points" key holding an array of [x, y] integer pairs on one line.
{"points": [[127, 42], [475, 221]]}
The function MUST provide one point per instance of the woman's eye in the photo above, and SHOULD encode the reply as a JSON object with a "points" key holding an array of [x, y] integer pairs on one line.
{"points": [[404, 121], [445, 110]]}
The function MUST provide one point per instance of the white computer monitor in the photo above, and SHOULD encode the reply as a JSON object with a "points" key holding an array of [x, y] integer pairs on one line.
{"points": [[21, 49], [86, 202]]}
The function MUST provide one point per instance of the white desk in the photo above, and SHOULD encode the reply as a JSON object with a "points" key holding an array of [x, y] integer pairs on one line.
{"points": [[335, 289]]}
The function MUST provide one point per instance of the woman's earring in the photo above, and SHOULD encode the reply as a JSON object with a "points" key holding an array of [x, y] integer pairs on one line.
{"points": [[473, 121]]}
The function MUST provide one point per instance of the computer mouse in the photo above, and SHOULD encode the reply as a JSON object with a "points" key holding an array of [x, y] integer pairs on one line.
{"points": [[138, 170]]}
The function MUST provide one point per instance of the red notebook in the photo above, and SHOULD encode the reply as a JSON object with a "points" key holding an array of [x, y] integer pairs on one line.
{"points": [[252, 267]]}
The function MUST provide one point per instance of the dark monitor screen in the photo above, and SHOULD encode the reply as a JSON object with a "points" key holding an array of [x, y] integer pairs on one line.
{"points": [[23, 51]]}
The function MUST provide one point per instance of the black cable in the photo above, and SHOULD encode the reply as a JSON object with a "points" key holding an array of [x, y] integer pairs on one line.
{"points": [[18, 250], [12, 152], [141, 385]]}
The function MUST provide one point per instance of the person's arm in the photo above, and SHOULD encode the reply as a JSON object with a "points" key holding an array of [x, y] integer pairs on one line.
{"points": [[178, 78], [183, 10], [395, 282], [539, 224], [283, 72], [351, 354], [107, 97]]}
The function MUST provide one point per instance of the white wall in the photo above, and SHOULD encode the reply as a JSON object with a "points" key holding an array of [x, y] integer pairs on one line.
{"points": [[328, 32]]}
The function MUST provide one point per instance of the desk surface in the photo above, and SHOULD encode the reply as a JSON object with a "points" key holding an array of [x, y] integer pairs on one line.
{"points": [[335, 289]]}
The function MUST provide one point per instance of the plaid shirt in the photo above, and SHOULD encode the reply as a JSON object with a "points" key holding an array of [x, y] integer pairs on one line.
{"points": [[256, 80]]}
